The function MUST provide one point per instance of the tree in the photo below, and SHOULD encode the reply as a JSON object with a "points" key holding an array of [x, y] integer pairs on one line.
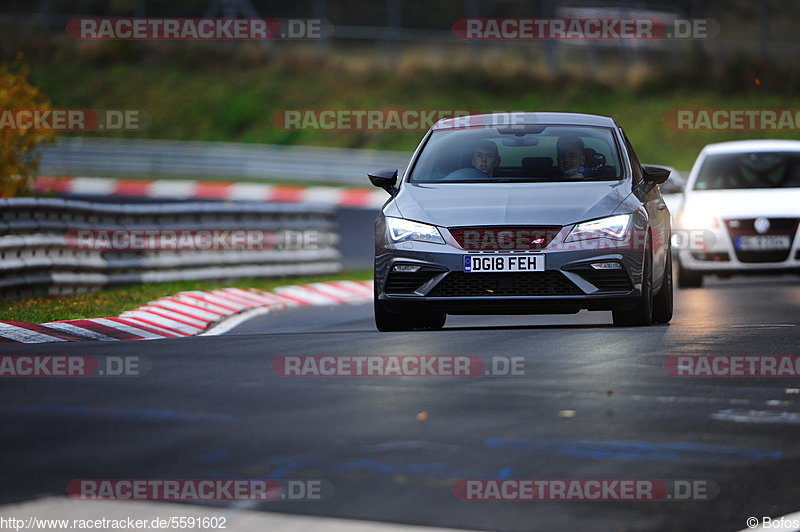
{"points": [[19, 158]]}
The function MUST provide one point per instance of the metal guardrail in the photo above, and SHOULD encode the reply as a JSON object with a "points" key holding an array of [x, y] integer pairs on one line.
{"points": [[36, 254], [164, 158]]}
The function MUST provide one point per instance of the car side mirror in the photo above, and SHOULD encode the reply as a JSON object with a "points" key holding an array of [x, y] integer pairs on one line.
{"points": [[385, 179], [655, 174]]}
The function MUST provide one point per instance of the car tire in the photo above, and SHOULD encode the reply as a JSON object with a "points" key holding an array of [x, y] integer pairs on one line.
{"points": [[642, 313], [390, 322], [663, 301], [689, 279]]}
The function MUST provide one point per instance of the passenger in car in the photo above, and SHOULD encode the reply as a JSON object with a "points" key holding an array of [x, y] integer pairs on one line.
{"points": [[571, 157], [595, 165]]}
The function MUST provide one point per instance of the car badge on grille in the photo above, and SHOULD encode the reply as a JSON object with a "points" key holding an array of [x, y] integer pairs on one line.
{"points": [[761, 225]]}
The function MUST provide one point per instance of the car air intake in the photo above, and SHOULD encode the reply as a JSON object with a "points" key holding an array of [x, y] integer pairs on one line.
{"points": [[608, 280], [407, 282], [716, 256]]}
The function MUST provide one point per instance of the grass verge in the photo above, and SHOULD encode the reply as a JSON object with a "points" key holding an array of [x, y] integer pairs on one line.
{"points": [[112, 302]]}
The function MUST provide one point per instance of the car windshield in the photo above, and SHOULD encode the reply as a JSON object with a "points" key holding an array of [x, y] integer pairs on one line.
{"points": [[749, 170], [523, 153]]}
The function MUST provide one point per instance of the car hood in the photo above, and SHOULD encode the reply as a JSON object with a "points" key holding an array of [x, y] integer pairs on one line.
{"points": [[746, 203], [465, 204]]}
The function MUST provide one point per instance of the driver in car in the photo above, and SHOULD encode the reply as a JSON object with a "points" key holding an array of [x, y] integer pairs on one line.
{"points": [[485, 157], [571, 157]]}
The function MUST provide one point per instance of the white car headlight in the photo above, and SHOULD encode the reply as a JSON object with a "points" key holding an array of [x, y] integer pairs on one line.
{"points": [[613, 227], [401, 230], [696, 219]]}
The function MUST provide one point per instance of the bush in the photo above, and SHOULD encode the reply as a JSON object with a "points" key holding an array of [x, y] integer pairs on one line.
{"points": [[19, 158]]}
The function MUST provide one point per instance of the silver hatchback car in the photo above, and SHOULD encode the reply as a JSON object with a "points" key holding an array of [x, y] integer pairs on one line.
{"points": [[529, 213]]}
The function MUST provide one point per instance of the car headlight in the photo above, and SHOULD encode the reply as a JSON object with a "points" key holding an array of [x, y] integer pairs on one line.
{"points": [[695, 219], [613, 227], [401, 230]]}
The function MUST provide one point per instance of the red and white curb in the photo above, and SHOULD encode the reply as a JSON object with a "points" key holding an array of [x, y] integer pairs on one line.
{"points": [[206, 190], [188, 313]]}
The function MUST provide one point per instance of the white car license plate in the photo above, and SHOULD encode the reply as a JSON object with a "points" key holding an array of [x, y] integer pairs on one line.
{"points": [[487, 263], [763, 242]]}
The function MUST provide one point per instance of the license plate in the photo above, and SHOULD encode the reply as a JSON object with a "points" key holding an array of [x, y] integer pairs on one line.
{"points": [[503, 263], [763, 242]]}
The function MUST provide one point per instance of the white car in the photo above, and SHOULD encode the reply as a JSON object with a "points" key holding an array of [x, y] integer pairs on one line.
{"points": [[740, 211]]}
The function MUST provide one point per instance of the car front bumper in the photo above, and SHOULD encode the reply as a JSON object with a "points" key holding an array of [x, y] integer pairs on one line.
{"points": [[716, 253], [567, 285]]}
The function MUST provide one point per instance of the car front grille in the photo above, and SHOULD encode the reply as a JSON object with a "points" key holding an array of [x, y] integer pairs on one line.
{"points": [[746, 227], [512, 238], [608, 280], [547, 283]]}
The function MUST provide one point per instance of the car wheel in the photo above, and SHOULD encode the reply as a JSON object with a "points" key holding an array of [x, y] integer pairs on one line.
{"points": [[662, 302], [689, 279], [390, 322], [642, 313]]}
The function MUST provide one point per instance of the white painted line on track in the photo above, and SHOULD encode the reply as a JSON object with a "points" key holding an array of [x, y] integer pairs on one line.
{"points": [[757, 416], [234, 321]]}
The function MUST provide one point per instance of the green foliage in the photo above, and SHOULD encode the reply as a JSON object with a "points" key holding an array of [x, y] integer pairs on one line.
{"points": [[18, 158], [235, 100]]}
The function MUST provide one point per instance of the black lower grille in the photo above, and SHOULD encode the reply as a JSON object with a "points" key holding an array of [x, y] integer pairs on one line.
{"points": [[762, 256], [547, 283], [406, 282], [608, 280], [716, 256]]}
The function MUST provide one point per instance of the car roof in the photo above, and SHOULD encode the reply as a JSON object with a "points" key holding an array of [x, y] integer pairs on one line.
{"points": [[525, 118], [738, 146]]}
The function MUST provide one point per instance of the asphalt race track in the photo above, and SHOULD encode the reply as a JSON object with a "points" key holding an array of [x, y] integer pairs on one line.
{"points": [[594, 402]]}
